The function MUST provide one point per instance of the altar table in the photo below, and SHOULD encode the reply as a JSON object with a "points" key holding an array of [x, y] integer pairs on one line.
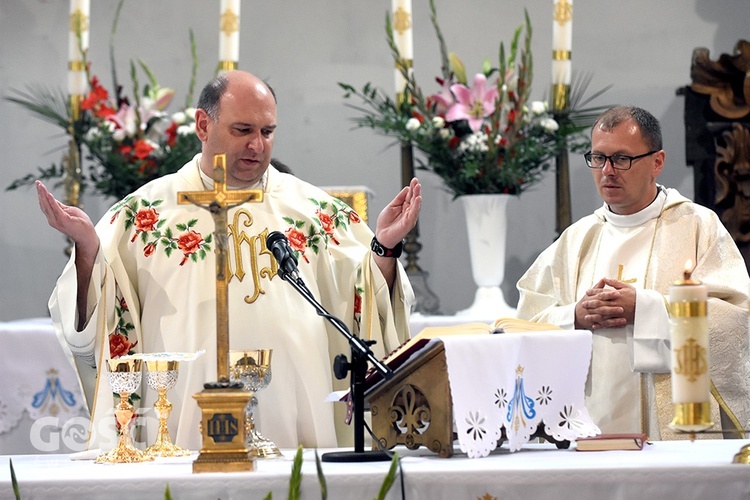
{"points": [[701, 469]]}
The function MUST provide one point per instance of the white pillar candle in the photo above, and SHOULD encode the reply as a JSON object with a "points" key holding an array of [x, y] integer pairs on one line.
{"points": [[689, 333], [229, 35], [562, 41], [403, 37], [78, 21]]}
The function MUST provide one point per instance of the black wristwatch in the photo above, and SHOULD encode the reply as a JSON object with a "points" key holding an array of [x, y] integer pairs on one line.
{"points": [[382, 251]]}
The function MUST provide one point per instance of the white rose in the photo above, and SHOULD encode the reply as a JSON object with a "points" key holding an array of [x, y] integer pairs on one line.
{"points": [[438, 122], [179, 118], [186, 129], [412, 124], [549, 124], [538, 108]]}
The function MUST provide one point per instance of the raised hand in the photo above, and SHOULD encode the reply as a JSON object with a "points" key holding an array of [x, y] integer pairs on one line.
{"points": [[400, 215]]}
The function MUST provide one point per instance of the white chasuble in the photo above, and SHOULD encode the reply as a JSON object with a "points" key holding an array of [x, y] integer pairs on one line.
{"points": [[652, 248], [154, 289], [613, 388]]}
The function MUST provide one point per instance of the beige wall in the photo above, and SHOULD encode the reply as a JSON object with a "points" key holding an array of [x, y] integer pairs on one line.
{"points": [[303, 47]]}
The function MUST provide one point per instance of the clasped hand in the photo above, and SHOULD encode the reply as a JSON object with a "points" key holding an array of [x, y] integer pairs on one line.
{"points": [[609, 304]]}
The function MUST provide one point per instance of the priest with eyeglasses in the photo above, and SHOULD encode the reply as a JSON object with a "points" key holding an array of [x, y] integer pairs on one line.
{"points": [[610, 272]]}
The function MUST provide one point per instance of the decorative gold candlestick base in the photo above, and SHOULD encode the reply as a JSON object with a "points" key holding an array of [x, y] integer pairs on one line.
{"points": [[124, 378], [162, 376], [691, 417]]}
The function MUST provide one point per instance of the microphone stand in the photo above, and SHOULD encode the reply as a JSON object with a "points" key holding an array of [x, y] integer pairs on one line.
{"points": [[361, 354]]}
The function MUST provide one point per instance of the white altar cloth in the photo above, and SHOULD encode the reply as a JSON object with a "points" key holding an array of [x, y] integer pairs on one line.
{"points": [[514, 382], [664, 469]]}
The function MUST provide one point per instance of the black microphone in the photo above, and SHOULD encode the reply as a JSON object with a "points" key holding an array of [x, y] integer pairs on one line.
{"points": [[279, 246]]}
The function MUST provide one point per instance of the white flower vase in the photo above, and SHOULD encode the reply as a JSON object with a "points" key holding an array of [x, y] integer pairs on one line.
{"points": [[487, 224]]}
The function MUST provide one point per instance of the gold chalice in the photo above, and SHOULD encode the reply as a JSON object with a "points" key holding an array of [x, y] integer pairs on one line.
{"points": [[162, 376], [124, 378], [253, 369]]}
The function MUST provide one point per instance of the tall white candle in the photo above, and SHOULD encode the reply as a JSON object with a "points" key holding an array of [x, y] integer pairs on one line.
{"points": [[403, 37], [229, 35], [690, 352], [78, 22], [562, 41]]}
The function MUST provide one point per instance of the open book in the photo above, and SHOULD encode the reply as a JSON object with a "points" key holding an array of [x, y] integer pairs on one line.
{"points": [[402, 353]]}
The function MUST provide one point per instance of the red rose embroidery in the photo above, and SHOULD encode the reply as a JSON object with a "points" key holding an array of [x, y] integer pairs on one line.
{"points": [[119, 345], [149, 250], [297, 241], [354, 217], [357, 303], [327, 224], [145, 220], [189, 243], [123, 305]]}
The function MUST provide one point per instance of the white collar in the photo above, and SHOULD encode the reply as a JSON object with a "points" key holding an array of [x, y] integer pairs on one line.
{"points": [[652, 211]]}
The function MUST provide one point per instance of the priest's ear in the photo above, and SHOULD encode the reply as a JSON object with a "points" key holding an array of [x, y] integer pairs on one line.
{"points": [[659, 159], [201, 124]]}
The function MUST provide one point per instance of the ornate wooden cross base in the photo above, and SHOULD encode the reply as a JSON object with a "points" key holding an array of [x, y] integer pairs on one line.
{"points": [[222, 403]]}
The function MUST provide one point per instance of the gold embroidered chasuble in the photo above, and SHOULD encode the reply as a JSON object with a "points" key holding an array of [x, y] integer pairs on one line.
{"points": [[153, 290], [648, 249]]}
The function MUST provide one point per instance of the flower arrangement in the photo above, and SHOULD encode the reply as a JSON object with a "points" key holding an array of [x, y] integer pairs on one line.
{"points": [[127, 143], [483, 137]]}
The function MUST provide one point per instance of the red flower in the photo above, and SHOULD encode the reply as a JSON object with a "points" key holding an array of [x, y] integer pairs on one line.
{"points": [[357, 303], [354, 217], [189, 243], [325, 221], [146, 219], [123, 304], [142, 149], [171, 134], [119, 345], [327, 224], [149, 250], [297, 241]]}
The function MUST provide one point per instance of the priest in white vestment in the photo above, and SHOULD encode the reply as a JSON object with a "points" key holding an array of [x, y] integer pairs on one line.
{"points": [[610, 273], [144, 280]]}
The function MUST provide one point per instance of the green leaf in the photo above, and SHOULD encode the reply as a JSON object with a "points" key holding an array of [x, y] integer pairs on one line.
{"points": [[390, 478], [167, 493], [295, 481], [14, 481], [321, 477]]}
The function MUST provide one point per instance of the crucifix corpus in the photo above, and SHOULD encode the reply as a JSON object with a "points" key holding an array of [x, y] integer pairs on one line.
{"points": [[222, 404], [218, 202]]}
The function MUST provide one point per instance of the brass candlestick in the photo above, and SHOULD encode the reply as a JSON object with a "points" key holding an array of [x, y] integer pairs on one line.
{"points": [[162, 376], [124, 378], [253, 369]]}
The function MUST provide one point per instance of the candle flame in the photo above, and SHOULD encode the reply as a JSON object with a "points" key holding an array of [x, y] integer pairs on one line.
{"points": [[689, 268]]}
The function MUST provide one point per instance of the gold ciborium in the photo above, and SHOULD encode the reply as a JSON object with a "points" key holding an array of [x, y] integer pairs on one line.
{"points": [[124, 378], [253, 369], [162, 376]]}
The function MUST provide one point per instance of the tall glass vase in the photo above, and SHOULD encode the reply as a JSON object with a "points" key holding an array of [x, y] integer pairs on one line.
{"points": [[487, 224]]}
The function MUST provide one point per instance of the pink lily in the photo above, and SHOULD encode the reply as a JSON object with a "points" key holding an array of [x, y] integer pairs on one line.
{"points": [[473, 104], [443, 99]]}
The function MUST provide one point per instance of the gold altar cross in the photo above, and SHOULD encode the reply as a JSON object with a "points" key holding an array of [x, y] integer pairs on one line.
{"points": [[218, 202], [620, 268]]}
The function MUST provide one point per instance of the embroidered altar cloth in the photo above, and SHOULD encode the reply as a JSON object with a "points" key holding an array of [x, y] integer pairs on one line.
{"points": [[514, 382]]}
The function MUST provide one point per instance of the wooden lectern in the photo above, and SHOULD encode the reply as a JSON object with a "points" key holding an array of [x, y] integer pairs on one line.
{"points": [[414, 408]]}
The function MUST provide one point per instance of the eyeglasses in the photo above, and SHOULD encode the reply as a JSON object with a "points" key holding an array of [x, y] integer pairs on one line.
{"points": [[619, 162]]}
